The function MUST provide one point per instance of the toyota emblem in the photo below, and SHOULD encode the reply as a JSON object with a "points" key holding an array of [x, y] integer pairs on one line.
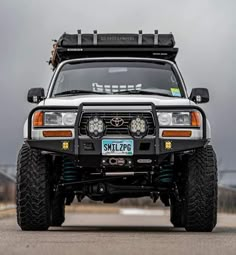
{"points": [[117, 122]]}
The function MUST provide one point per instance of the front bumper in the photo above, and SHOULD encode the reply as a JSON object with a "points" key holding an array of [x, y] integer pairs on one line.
{"points": [[85, 146], [162, 147]]}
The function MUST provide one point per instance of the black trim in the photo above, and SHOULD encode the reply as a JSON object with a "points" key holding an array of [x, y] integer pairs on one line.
{"points": [[180, 144], [53, 146], [79, 115], [177, 145], [179, 127], [93, 52], [156, 125], [151, 140], [53, 127]]}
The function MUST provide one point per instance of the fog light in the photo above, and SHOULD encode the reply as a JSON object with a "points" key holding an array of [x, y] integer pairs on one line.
{"points": [[138, 127], [96, 127]]}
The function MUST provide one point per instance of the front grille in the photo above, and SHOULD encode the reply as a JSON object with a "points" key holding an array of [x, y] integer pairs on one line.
{"points": [[111, 130]]}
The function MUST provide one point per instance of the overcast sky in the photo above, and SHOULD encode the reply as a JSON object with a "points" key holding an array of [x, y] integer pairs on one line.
{"points": [[204, 31]]}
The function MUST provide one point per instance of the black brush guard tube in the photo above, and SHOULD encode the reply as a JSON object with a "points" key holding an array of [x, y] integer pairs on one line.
{"points": [[53, 145]]}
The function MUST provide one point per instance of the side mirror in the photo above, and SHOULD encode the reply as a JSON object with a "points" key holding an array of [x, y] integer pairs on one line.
{"points": [[35, 95], [199, 95]]}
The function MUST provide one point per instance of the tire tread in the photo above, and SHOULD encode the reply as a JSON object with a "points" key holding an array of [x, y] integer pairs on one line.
{"points": [[32, 190], [201, 191]]}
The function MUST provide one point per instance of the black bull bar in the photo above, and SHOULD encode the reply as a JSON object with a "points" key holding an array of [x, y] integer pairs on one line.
{"points": [[55, 145]]}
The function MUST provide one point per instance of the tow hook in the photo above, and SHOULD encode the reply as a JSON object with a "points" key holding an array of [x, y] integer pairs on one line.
{"points": [[117, 161]]}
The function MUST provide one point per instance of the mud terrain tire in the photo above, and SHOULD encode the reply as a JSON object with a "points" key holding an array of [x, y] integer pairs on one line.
{"points": [[33, 192], [201, 191]]}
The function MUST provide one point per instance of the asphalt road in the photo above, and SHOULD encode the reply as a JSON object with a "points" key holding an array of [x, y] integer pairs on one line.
{"points": [[128, 233]]}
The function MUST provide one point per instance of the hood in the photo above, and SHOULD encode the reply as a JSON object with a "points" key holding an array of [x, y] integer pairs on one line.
{"points": [[77, 100]]}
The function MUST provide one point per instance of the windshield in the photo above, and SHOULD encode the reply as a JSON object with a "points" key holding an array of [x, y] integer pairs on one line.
{"points": [[110, 77]]}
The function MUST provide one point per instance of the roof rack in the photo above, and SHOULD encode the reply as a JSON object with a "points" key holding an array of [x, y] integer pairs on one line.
{"points": [[71, 46]]}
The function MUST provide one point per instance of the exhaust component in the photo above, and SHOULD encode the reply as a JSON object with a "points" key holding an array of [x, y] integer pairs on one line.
{"points": [[101, 189]]}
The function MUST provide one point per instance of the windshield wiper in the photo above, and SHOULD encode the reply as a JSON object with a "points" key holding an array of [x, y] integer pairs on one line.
{"points": [[160, 92], [76, 92]]}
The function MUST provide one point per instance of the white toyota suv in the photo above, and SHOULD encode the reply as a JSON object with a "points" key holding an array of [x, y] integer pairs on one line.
{"points": [[116, 122]]}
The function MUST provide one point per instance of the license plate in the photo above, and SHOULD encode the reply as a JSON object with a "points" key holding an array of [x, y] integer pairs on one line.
{"points": [[117, 147]]}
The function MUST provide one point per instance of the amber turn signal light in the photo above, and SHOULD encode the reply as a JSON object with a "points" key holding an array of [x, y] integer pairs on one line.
{"points": [[57, 133], [176, 133], [196, 120], [38, 119]]}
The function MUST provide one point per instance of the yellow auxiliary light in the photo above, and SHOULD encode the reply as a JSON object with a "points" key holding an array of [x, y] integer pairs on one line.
{"points": [[65, 146], [168, 145]]}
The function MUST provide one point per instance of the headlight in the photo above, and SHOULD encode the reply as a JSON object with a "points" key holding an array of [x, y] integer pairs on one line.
{"points": [[69, 118], [165, 118], [138, 127], [54, 118], [181, 118], [96, 127], [59, 118], [185, 119]]}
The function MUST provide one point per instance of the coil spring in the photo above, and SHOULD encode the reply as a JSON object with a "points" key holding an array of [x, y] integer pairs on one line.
{"points": [[166, 175], [70, 173]]}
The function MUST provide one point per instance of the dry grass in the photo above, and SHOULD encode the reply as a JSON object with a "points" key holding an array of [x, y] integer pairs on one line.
{"points": [[7, 213]]}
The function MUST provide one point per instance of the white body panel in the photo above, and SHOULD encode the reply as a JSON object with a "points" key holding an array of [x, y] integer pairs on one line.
{"points": [[77, 100]]}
